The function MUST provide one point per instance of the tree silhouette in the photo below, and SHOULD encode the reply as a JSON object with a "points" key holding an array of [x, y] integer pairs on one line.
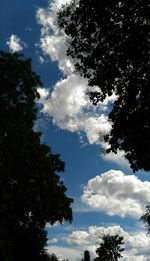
{"points": [[146, 218], [109, 43], [53, 257], [110, 248], [31, 193]]}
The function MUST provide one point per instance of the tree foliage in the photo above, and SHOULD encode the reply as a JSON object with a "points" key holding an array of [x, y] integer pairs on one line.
{"points": [[53, 257], [110, 44], [31, 193], [146, 218], [110, 248]]}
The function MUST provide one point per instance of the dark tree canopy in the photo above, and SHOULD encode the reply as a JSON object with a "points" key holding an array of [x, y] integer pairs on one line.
{"points": [[110, 44], [146, 218], [110, 248], [31, 193]]}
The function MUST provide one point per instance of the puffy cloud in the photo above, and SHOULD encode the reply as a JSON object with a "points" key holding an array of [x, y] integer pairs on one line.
{"points": [[52, 41], [15, 44], [136, 244], [117, 194], [65, 253], [67, 104], [118, 157], [66, 101], [70, 109], [90, 237], [43, 93]]}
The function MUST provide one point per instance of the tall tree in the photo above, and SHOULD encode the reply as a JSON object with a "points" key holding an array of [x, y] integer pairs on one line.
{"points": [[31, 192], [109, 42], [110, 248]]}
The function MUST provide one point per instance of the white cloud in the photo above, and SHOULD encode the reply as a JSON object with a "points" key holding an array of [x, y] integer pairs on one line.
{"points": [[56, 224], [66, 101], [118, 157], [52, 41], [43, 93], [65, 253], [67, 104], [136, 244], [15, 44], [53, 240], [117, 194], [70, 109], [90, 237]]}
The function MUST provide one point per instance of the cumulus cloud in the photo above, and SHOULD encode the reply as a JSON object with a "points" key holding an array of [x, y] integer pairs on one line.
{"points": [[118, 157], [115, 193], [15, 44], [70, 109], [52, 41], [67, 104], [136, 244], [43, 93], [65, 253]]}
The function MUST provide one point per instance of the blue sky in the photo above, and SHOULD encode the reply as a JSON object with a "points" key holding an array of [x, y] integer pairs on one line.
{"points": [[107, 195]]}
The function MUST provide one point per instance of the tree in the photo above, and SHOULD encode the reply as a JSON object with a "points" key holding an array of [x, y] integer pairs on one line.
{"points": [[110, 248], [146, 218], [109, 43], [31, 192], [53, 257]]}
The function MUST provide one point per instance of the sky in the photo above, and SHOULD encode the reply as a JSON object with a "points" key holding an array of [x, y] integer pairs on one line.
{"points": [[108, 196]]}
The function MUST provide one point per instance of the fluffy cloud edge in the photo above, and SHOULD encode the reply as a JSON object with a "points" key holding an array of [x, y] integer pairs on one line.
{"points": [[136, 243], [15, 44], [75, 113], [115, 193]]}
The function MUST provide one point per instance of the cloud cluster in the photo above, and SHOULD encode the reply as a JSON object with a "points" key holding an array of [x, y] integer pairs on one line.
{"points": [[115, 193], [67, 104], [15, 44], [65, 253], [70, 109], [136, 244]]}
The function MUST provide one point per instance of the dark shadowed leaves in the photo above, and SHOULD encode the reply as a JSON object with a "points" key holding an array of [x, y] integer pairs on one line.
{"points": [[110, 248], [31, 193], [110, 44]]}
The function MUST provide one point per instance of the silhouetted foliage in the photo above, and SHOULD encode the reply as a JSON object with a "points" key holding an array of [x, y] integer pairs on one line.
{"points": [[53, 257], [110, 248], [110, 44], [146, 218], [31, 193]]}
